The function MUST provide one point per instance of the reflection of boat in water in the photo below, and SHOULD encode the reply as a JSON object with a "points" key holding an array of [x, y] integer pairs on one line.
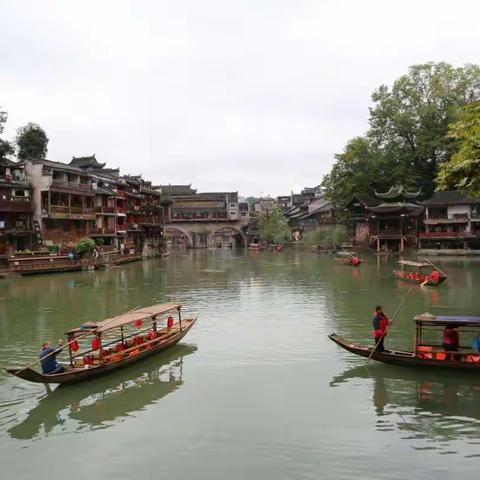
{"points": [[434, 404], [93, 405]]}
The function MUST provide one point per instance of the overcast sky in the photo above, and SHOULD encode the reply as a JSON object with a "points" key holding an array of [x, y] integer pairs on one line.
{"points": [[255, 96]]}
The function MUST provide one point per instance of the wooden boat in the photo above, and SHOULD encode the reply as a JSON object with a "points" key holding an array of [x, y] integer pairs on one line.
{"points": [[347, 258], [127, 259], [257, 247], [115, 396], [424, 355], [116, 342], [415, 272]]}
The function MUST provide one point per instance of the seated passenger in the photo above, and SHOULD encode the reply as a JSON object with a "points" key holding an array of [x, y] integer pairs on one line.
{"points": [[451, 340], [48, 360], [476, 343]]}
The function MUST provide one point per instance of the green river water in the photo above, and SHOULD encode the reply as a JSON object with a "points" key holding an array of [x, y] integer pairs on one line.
{"points": [[255, 390]]}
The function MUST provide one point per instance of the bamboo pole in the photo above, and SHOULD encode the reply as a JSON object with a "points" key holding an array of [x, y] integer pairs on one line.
{"points": [[434, 266], [388, 326], [57, 351]]}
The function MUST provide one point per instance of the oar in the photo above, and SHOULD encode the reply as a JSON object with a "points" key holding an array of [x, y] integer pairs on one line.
{"points": [[56, 351], [391, 321]]}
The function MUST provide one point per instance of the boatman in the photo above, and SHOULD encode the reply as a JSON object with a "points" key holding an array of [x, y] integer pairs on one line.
{"points": [[48, 359], [380, 326]]}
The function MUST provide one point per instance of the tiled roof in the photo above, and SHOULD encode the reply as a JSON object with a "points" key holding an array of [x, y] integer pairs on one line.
{"points": [[449, 197], [176, 190], [86, 162]]}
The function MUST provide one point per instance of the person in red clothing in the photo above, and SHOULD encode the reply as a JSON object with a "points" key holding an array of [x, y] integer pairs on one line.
{"points": [[451, 340], [380, 326]]}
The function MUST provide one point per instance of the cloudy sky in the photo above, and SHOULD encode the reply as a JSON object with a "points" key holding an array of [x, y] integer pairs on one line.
{"points": [[255, 96]]}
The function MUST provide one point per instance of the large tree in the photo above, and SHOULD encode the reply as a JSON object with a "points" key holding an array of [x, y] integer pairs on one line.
{"points": [[32, 142], [363, 167], [273, 226], [5, 147], [406, 142], [413, 116], [462, 172]]}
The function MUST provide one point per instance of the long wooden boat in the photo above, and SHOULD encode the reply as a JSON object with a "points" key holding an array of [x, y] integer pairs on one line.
{"points": [[424, 355], [347, 258], [33, 265], [116, 343], [127, 259], [256, 247], [415, 272]]}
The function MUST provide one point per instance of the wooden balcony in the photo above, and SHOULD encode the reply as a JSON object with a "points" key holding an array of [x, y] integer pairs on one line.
{"points": [[16, 204]]}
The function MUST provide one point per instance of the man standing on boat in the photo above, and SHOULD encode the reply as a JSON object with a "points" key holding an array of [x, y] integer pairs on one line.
{"points": [[48, 359], [380, 326]]}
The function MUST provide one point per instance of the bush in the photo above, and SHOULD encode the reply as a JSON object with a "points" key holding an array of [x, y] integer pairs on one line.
{"points": [[335, 235], [99, 241], [53, 249], [85, 245]]}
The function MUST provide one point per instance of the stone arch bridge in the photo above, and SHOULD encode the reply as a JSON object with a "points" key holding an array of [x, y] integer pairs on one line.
{"points": [[207, 234]]}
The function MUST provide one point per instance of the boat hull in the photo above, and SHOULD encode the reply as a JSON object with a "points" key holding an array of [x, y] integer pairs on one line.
{"points": [[84, 374], [398, 357], [401, 276]]}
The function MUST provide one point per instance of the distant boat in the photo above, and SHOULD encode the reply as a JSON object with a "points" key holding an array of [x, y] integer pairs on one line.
{"points": [[347, 258], [415, 272], [258, 247], [122, 344]]}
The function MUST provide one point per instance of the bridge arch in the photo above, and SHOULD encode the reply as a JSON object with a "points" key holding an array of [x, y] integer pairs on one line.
{"points": [[229, 228], [174, 229]]}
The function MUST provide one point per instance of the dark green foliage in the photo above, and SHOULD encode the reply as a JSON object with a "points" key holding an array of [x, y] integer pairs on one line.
{"points": [[462, 172], [85, 245], [273, 226], [6, 147], [407, 140], [32, 142]]}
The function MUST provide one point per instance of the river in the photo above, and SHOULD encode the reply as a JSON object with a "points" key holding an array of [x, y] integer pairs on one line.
{"points": [[256, 390]]}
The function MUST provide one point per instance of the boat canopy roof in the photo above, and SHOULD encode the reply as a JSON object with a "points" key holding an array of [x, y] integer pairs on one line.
{"points": [[126, 318], [344, 253], [458, 320], [410, 263]]}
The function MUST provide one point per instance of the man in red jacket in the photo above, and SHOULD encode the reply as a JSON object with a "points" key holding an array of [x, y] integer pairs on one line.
{"points": [[380, 326]]}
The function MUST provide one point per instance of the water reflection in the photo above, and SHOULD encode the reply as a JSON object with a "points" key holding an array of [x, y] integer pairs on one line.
{"points": [[435, 407], [103, 402]]}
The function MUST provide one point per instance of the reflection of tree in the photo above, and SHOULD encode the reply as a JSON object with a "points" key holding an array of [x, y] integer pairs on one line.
{"points": [[99, 403], [429, 405]]}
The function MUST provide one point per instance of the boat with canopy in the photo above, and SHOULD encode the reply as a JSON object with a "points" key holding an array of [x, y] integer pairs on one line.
{"points": [[415, 272], [427, 353], [343, 257], [96, 349]]}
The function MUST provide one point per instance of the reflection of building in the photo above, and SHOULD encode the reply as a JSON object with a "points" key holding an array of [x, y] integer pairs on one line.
{"points": [[452, 221], [389, 222], [15, 208]]}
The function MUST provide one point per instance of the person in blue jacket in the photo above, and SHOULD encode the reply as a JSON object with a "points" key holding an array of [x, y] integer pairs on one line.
{"points": [[48, 359]]}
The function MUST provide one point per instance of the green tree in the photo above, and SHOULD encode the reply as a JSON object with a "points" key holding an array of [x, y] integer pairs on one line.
{"points": [[85, 245], [462, 172], [412, 117], [32, 142], [273, 226], [362, 168], [5, 146]]}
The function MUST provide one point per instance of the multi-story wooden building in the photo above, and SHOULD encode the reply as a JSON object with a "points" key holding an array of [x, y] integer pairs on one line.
{"points": [[388, 222], [15, 208], [451, 222]]}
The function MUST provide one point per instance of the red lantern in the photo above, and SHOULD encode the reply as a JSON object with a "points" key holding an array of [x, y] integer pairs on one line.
{"points": [[138, 323], [74, 346], [170, 322], [95, 343]]}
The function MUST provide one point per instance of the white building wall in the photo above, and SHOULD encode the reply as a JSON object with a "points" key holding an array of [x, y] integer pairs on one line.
{"points": [[458, 210]]}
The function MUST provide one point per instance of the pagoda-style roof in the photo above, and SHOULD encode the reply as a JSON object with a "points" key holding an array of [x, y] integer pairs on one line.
{"points": [[86, 162], [398, 191], [398, 207], [176, 190]]}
